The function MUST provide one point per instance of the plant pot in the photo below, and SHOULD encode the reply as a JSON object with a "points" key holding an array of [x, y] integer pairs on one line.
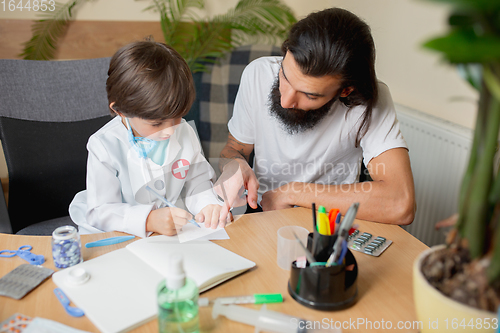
{"points": [[439, 313]]}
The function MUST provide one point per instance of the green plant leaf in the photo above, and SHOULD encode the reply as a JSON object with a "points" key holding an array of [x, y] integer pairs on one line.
{"points": [[46, 32], [492, 82], [199, 41], [495, 191], [461, 19], [474, 40], [477, 143], [212, 41], [481, 5], [493, 271], [264, 20], [472, 73], [478, 214], [463, 47]]}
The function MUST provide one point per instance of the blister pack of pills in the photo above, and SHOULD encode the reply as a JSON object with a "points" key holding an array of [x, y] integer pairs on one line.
{"points": [[22, 279], [16, 323], [367, 243]]}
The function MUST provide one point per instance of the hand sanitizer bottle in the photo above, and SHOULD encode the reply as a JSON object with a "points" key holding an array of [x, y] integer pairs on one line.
{"points": [[177, 300]]}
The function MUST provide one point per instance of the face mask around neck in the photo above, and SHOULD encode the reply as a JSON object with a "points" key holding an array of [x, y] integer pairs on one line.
{"points": [[141, 145]]}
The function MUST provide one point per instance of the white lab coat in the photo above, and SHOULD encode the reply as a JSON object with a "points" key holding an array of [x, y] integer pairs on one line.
{"points": [[116, 198]]}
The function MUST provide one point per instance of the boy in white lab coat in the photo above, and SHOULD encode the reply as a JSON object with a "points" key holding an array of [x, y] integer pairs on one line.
{"points": [[150, 88]]}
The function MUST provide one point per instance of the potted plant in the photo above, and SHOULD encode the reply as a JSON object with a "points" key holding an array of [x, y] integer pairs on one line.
{"points": [[198, 40], [465, 273]]}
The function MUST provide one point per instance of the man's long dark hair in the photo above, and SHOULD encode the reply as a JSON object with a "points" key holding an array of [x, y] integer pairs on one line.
{"points": [[336, 42]]}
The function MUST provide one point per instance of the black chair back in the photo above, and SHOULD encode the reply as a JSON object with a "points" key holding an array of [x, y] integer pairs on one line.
{"points": [[48, 110]]}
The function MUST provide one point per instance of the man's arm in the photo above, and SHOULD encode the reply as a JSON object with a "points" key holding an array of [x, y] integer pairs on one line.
{"points": [[234, 150], [389, 198], [236, 172]]}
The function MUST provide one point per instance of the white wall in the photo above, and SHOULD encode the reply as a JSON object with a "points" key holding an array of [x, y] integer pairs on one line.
{"points": [[417, 78], [132, 10]]}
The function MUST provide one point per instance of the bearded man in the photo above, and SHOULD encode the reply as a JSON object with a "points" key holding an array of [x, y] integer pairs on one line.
{"points": [[312, 117]]}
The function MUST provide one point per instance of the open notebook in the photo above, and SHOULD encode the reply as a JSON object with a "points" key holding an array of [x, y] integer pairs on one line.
{"points": [[121, 292]]}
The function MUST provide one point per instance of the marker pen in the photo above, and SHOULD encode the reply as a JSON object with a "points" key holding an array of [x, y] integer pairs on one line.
{"points": [[323, 223], [251, 299]]}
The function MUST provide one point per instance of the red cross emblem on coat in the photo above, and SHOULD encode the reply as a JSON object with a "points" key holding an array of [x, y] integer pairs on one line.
{"points": [[180, 168]]}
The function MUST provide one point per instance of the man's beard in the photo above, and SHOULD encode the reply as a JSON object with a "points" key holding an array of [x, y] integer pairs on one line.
{"points": [[295, 120]]}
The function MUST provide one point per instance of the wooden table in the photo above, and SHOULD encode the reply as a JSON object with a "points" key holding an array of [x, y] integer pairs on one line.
{"points": [[385, 295]]}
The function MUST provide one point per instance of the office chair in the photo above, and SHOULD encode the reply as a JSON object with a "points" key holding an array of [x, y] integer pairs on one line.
{"points": [[48, 110]]}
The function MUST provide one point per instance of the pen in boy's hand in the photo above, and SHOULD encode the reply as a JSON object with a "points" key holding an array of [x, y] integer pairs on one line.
{"points": [[168, 203]]}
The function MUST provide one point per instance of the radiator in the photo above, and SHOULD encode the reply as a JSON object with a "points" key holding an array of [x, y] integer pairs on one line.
{"points": [[439, 152]]}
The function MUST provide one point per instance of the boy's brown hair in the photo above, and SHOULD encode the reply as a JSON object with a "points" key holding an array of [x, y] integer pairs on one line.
{"points": [[149, 80]]}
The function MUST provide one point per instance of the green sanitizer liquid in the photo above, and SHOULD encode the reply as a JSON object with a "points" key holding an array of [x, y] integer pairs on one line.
{"points": [[178, 303]]}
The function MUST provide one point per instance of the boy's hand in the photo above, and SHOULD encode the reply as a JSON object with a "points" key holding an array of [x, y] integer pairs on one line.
{"points": [[211, 216], [165, 220]]}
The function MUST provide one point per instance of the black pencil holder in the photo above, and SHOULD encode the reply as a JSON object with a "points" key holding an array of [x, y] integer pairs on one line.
{"points": [[321, 287]]}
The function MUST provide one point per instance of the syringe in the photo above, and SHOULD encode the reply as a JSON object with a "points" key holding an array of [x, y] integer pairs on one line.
{"points": [[263, 319]]}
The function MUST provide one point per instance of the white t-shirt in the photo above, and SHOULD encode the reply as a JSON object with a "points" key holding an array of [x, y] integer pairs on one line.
{"points": [[325, 154]]}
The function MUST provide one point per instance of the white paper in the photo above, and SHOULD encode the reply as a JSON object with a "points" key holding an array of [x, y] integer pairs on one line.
{"points": [[120, 294], [204, 262], [42, 325], [189, 232]]}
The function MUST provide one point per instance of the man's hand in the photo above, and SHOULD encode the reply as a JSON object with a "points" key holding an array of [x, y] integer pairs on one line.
{"points": [[282, 197], [235, 178], [236, 175]]}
